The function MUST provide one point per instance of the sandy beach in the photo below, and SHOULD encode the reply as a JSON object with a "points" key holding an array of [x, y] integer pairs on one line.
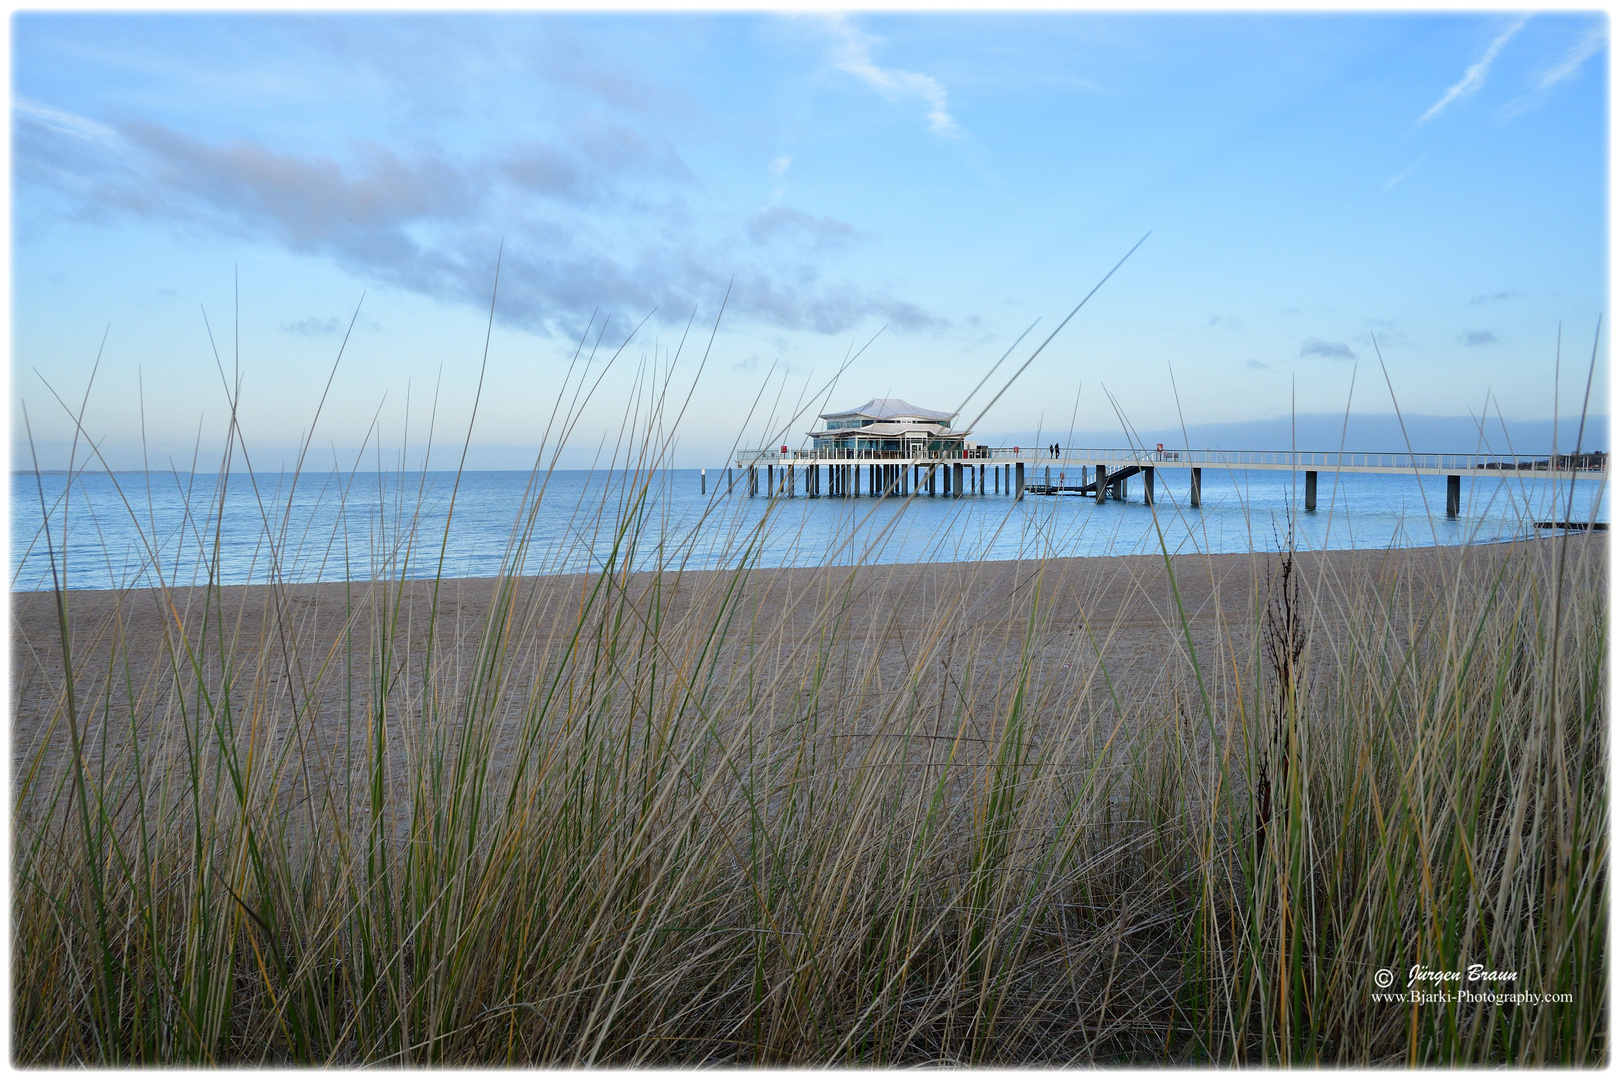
{"points": [[1108, 629]]}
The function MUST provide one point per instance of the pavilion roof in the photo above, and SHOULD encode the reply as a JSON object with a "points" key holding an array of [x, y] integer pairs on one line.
{"points": [[889, 408]]}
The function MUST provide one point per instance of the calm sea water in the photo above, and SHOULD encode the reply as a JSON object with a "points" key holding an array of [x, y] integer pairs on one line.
{"points": [[131, 529]]}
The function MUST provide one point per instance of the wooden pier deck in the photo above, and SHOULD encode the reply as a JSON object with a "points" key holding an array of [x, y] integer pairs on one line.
{"points": [[1103, 473]]}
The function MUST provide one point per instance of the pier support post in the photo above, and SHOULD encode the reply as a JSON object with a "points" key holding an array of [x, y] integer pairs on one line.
{"points": [[1019, 480], [956, 480], [703, 481], [1453, 495], [981, 479], [1102, 483], [997, 470], [1049, 479], [729, 488], [1147, 486], [1310, 489], [770, 480], [1196, 490]]}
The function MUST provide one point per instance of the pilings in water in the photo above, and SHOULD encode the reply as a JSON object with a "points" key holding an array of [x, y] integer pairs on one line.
{"points": [[703, 479], [958, 479]]}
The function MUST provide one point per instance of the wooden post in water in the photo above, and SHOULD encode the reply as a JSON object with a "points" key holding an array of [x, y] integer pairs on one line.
{"points": [[1310, 489], [1147, 486], [770, 480], [1102, 483], [1196, 491], [1453, 495], [1019, 480], [703, 479]]}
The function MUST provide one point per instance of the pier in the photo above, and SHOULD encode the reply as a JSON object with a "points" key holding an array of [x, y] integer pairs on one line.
{"points": [[1101, 474]]}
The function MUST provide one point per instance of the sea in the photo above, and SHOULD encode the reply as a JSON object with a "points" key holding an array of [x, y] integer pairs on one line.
{"points": [[121, 530]]}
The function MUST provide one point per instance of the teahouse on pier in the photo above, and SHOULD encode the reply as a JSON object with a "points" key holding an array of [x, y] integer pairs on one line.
{"points": [[890, 447]]}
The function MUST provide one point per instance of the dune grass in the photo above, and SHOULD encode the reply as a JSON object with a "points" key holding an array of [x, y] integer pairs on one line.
{"points": [[752, 816]]}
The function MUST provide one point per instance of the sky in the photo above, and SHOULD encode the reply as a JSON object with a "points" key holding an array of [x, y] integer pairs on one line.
{"points": [[784, 214]]}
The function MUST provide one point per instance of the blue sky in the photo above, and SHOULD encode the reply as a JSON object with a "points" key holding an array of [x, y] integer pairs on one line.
{"points": [[1311, 183]]}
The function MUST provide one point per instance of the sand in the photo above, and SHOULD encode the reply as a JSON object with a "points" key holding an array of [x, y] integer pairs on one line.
{"points": [[1109, 631]]}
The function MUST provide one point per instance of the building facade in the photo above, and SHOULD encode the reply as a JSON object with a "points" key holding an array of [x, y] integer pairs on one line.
{"points": [[890, 425]]}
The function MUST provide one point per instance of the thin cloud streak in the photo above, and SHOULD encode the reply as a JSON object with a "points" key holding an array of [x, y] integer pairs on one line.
{"points": [[1572, 61], [852, 53], [1402, 175], [1474, 77], [60, 120]]}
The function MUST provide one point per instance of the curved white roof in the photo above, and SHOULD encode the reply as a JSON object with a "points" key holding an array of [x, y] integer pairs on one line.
{"points": [[888, 408]]}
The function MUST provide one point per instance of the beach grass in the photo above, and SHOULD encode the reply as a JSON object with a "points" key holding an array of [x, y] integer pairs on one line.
{"points": [[845, 814]]}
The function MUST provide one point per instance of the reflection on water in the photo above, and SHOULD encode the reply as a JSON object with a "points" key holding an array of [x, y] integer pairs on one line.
{"points": [[143, 529]]}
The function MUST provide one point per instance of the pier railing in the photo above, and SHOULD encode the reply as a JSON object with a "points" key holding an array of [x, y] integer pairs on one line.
{"points": [[1299, 460]]}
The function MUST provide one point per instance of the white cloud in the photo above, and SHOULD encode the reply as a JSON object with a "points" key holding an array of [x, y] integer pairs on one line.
{"points": [[851, 52], [66, 122], [1474, 77], [1572, 61]]}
